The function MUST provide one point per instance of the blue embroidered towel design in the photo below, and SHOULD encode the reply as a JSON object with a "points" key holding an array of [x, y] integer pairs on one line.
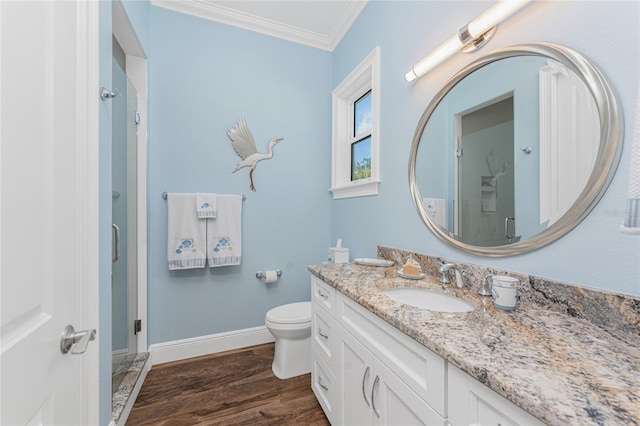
{"points": [[224, 233], [206, 205], [186, 235]]}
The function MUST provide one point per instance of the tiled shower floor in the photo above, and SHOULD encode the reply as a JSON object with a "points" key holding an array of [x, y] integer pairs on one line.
{"points": [[125, 375]]}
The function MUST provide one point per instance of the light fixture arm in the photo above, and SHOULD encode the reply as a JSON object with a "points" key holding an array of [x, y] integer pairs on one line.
{"points": [[470, 43], [464, 35]]}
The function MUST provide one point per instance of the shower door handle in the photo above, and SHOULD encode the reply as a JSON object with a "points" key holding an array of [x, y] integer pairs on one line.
{"points": [[507, 235], [117, 243]]}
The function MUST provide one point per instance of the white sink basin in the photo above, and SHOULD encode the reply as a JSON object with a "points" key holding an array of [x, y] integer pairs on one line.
{"points": [[426, 299]]}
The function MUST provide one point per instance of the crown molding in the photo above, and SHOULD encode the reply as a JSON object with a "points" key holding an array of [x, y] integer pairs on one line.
{"points": [[348, 17], [215, 12]]}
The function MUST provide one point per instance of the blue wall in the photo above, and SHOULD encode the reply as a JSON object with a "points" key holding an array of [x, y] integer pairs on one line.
{"points": [[139, 14], [204, 77], [593, 253]]}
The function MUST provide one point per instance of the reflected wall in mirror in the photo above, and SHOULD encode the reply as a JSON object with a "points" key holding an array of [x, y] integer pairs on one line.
{"points": [[515, 150]]}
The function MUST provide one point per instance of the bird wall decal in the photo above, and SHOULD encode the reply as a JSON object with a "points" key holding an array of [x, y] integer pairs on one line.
{"points": [[245, 147]]}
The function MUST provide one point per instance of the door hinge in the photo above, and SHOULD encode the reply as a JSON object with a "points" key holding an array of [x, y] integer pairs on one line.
{"points": [[137, 326], [459, 152], [137, 118]]}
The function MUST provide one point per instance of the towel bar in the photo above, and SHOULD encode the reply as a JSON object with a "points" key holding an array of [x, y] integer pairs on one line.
{"points": [[164, 196]]}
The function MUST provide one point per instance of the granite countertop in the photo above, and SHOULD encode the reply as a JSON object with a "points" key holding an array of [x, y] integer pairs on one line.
{"points": [[562, 370]]}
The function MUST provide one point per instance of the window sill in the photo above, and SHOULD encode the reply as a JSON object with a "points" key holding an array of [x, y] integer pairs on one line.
{"points": [[356, 189]]}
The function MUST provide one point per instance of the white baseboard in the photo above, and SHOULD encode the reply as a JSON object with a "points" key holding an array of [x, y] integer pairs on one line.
{"points": [[159, 353]]}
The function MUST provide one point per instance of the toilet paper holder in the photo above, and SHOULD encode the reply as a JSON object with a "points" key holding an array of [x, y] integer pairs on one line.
{"points": [[261, 275]]}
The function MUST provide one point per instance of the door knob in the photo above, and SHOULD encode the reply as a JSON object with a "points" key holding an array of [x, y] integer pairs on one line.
{"points": [[78, 340]]}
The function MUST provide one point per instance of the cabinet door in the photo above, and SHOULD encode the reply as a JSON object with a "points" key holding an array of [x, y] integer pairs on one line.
{"points": [[355, 379], [471, 402], [394, 403], [422, 370]]}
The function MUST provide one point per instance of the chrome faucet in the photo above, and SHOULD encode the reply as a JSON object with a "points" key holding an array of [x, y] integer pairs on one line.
{"points": [[485, 287], [444, 274]]}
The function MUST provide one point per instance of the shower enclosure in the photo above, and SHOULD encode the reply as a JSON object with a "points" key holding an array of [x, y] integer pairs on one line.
{"points": [[130, 356], [124, 271]]}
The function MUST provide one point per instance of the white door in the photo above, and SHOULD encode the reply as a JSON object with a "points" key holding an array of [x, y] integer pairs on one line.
{"points": [[48, 210], [569, 139]]}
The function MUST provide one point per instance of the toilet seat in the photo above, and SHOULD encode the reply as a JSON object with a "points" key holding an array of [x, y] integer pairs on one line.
{"points": [[293, 313]]}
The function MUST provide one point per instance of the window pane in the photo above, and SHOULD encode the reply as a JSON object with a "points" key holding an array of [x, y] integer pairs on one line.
{"points": [[361, 159], [362, 115]]}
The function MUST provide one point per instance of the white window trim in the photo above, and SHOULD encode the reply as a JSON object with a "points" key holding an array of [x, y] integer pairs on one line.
{"points": [[365, 77]]}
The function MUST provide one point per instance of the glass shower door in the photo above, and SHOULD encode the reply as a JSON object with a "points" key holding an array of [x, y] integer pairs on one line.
{"points": [[485, 212], [124, 213]]}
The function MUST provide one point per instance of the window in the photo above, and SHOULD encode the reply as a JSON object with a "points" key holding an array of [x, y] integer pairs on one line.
{"points": [[355, 160], [361, 145]]}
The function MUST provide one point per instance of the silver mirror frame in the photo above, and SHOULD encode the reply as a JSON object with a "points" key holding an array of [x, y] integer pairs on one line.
{"points": [[608, 157]]}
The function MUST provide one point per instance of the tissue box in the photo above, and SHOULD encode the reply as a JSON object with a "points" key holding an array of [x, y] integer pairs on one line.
{"points": [[338, 255]]}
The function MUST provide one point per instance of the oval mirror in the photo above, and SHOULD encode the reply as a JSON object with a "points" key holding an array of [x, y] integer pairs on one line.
{"points": [[515, 150]]}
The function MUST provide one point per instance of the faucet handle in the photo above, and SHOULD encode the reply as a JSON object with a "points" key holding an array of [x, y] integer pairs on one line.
{"points": [[444, 272], [485, 287]]}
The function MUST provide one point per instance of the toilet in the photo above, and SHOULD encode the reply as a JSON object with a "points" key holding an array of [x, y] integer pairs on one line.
{"points": [[290, 325]]}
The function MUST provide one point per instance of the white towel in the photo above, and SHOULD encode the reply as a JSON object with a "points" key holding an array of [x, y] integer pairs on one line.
{"points": [[437, 209], [186, 235], [631, 223], [206, 205], [224, 233]]}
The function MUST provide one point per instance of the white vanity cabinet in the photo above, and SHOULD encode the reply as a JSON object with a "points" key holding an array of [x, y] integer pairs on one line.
{"points": [[367, 372], [471, 402], [364, 371]]}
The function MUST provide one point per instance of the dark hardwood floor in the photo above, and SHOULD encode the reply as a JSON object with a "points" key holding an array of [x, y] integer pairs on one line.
{"points": [[229, 388]]}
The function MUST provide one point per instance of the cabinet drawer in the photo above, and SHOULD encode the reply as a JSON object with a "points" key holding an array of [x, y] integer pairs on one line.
{"points": [[421, 369], [324, 386], [471, 402], [324, 295], [323, 334]]}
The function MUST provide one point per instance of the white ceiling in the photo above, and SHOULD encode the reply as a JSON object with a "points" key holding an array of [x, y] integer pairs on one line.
{"points": [[316, 23]]}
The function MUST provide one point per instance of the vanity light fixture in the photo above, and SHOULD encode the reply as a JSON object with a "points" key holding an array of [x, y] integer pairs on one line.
{"points": [[469, 38]]}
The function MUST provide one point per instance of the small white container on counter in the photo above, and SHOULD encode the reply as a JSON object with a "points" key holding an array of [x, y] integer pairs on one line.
{"points": [[338, 255], [505, 291]]}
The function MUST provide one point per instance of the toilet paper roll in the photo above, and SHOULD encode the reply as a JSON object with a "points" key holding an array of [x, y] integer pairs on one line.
{"points": [[271, 277]]}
